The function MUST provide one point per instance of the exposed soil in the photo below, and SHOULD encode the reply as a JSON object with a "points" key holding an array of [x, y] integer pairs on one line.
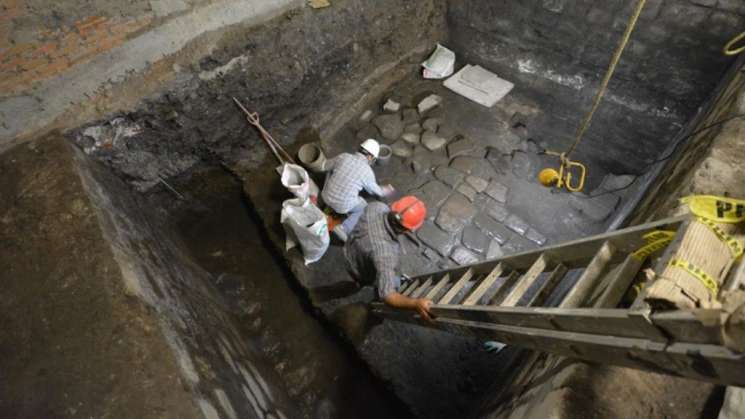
{"points": [[320, 372]]}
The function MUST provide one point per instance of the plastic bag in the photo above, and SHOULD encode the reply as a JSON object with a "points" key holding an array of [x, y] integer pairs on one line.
{"points": [[440, 64], [305, 225], [297, 181]]}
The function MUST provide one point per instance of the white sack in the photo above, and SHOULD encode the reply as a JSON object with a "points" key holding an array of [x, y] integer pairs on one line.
{"points": [[305, 225], [297, 181]]}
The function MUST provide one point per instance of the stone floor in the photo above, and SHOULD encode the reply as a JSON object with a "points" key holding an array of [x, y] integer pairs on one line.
{"points": [[475, 168]]}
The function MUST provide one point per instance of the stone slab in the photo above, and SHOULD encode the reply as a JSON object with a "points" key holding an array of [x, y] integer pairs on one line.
{"points": [[497, 191], [391, 106], [517, 224], [467, 191], [414, 128], [435, 238], [597, 209], [477, 183], [460, 147], [410, 137], [449, 222], [367, 131], [402, 149], [449, 175], [432, 141], [410, 116], [433, 193], [462, 256], [431, 124], [464, 163], [496, 230], [460, 207], [428, 103], [495, 250], [475, 239], [517, 244], [497, 211], [535, 236]]}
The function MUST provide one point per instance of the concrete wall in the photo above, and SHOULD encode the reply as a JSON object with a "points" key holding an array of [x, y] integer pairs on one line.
{"points": [[62, 63], [557, 51]]}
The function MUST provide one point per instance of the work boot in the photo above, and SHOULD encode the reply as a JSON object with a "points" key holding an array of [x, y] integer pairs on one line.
{"points": [[340, 233]]}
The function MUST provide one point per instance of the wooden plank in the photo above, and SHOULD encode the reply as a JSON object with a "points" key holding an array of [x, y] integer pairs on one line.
{"points": [[588, 280], [431, 294], [484, 286], [419, 291], [505, 288], [548, 286], [526, 281], [411, 287], [619, 282], [456, 288], [573, 254]]}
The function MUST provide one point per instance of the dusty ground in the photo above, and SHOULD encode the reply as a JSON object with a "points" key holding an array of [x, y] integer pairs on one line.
{"points": [[73, 344]]}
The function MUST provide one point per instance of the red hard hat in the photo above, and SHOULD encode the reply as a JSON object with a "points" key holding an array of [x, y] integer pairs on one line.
{"points": [[410, 212]]}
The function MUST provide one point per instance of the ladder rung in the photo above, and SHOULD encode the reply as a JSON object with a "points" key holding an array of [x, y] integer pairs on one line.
{"points": [[587, 281], [484, 286], [548, 286], [504, 288], [455, 289], [411, 287], [435, 291], [526, 281], [619, 283], [419, 291]]}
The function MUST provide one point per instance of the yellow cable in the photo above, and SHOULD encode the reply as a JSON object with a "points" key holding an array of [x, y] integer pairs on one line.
{"points": [[728, 47], [608, 75]]}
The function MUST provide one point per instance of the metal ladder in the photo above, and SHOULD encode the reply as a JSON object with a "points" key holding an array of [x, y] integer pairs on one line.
{"points": [[482, 300]]}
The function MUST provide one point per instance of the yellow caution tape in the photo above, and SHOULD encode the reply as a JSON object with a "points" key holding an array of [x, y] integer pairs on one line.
{"points": [[656, 240], [716, 208], [706, 279], [735, 246]]}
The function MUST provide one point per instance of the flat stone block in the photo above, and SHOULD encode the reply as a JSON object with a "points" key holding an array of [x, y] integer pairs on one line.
{"points": [[497, 211], [391, 106], [517, 244], [433, 194], [435, 238], [494, 251], [450, 223], [431, 124], [446, 132], [598, 208], [414, 128], [496, 230], [464, 163], [536, 237], [432, 141], [431, 254], [460, 147], [475, 239], [410, 137], [517, 224], [477, 183], [462, 256], [366, 116], [402, 149], [449, 175], [459, 207], [497, 191], [391, 127], [467, 191]]}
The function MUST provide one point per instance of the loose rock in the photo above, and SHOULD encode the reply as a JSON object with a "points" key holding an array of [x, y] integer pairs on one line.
{"points": [[432, 141], [410, 116], [390, 126], [431, 124], [366, 116], [402, 149], [461, 256], [430, 102], [414, 128], [410, 138], [495, 250], [391, 106], [460, 147]]}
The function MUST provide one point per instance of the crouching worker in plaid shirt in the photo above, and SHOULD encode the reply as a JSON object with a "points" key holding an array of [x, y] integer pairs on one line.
{"points": [[350, 174], [372, 250]]}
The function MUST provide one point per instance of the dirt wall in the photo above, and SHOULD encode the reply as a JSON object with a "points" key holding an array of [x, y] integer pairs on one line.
{"points": [[557, 52]]}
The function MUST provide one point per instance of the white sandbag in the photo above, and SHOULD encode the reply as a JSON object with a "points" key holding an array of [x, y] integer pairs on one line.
{"points": [[440, 64], [305, 225], [297, 181]]}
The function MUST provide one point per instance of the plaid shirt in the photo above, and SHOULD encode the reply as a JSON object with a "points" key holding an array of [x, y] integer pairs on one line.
{"points": [[350, 174], [372, 250]]}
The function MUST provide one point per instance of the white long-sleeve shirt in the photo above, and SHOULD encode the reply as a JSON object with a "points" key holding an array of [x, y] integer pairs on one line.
{"points": [[349, 175]]}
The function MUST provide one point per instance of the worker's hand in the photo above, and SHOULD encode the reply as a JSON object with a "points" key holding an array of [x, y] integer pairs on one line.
{"points": [[422, 307], [388, 190]]}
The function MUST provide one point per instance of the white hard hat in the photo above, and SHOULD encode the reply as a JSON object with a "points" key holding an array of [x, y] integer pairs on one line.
{"points": [[371, 146]]}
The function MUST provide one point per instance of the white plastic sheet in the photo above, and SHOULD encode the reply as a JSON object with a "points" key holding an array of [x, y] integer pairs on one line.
{"points": [[305, 225], [440, 64]]}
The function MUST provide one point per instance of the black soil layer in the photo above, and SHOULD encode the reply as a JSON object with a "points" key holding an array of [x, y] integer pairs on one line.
{"points": [[322, 374]]}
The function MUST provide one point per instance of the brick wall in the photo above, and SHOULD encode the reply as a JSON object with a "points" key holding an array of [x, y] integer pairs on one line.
{"points": [[54, 50]]}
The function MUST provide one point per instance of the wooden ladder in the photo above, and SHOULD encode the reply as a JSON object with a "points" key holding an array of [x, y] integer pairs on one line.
{"points": [[506, 300]]}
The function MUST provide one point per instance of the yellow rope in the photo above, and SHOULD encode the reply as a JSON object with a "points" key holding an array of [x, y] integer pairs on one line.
{"points": [[608, 75]]}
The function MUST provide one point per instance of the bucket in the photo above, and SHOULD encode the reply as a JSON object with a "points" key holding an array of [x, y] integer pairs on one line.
{"points": [[311, 156], [384, 155]]}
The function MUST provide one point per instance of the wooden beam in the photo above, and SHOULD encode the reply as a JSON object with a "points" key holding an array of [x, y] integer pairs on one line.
{"points": [[526, 281], [410, 288], [484, 286], [548, 286], [419, 291], [588, 280], [619, 282], [456, 288], [432, 293]]}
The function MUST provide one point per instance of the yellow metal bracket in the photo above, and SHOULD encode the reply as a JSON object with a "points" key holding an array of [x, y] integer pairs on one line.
{"points": [[565, 173], [728, 47]]}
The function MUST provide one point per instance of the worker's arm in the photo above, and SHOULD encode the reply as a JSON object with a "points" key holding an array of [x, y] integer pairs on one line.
{"points": [[421, 305], [371, 186]]}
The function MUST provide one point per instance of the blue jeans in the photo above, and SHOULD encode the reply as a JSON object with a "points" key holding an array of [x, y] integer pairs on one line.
{"points": [[353, 216]]}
